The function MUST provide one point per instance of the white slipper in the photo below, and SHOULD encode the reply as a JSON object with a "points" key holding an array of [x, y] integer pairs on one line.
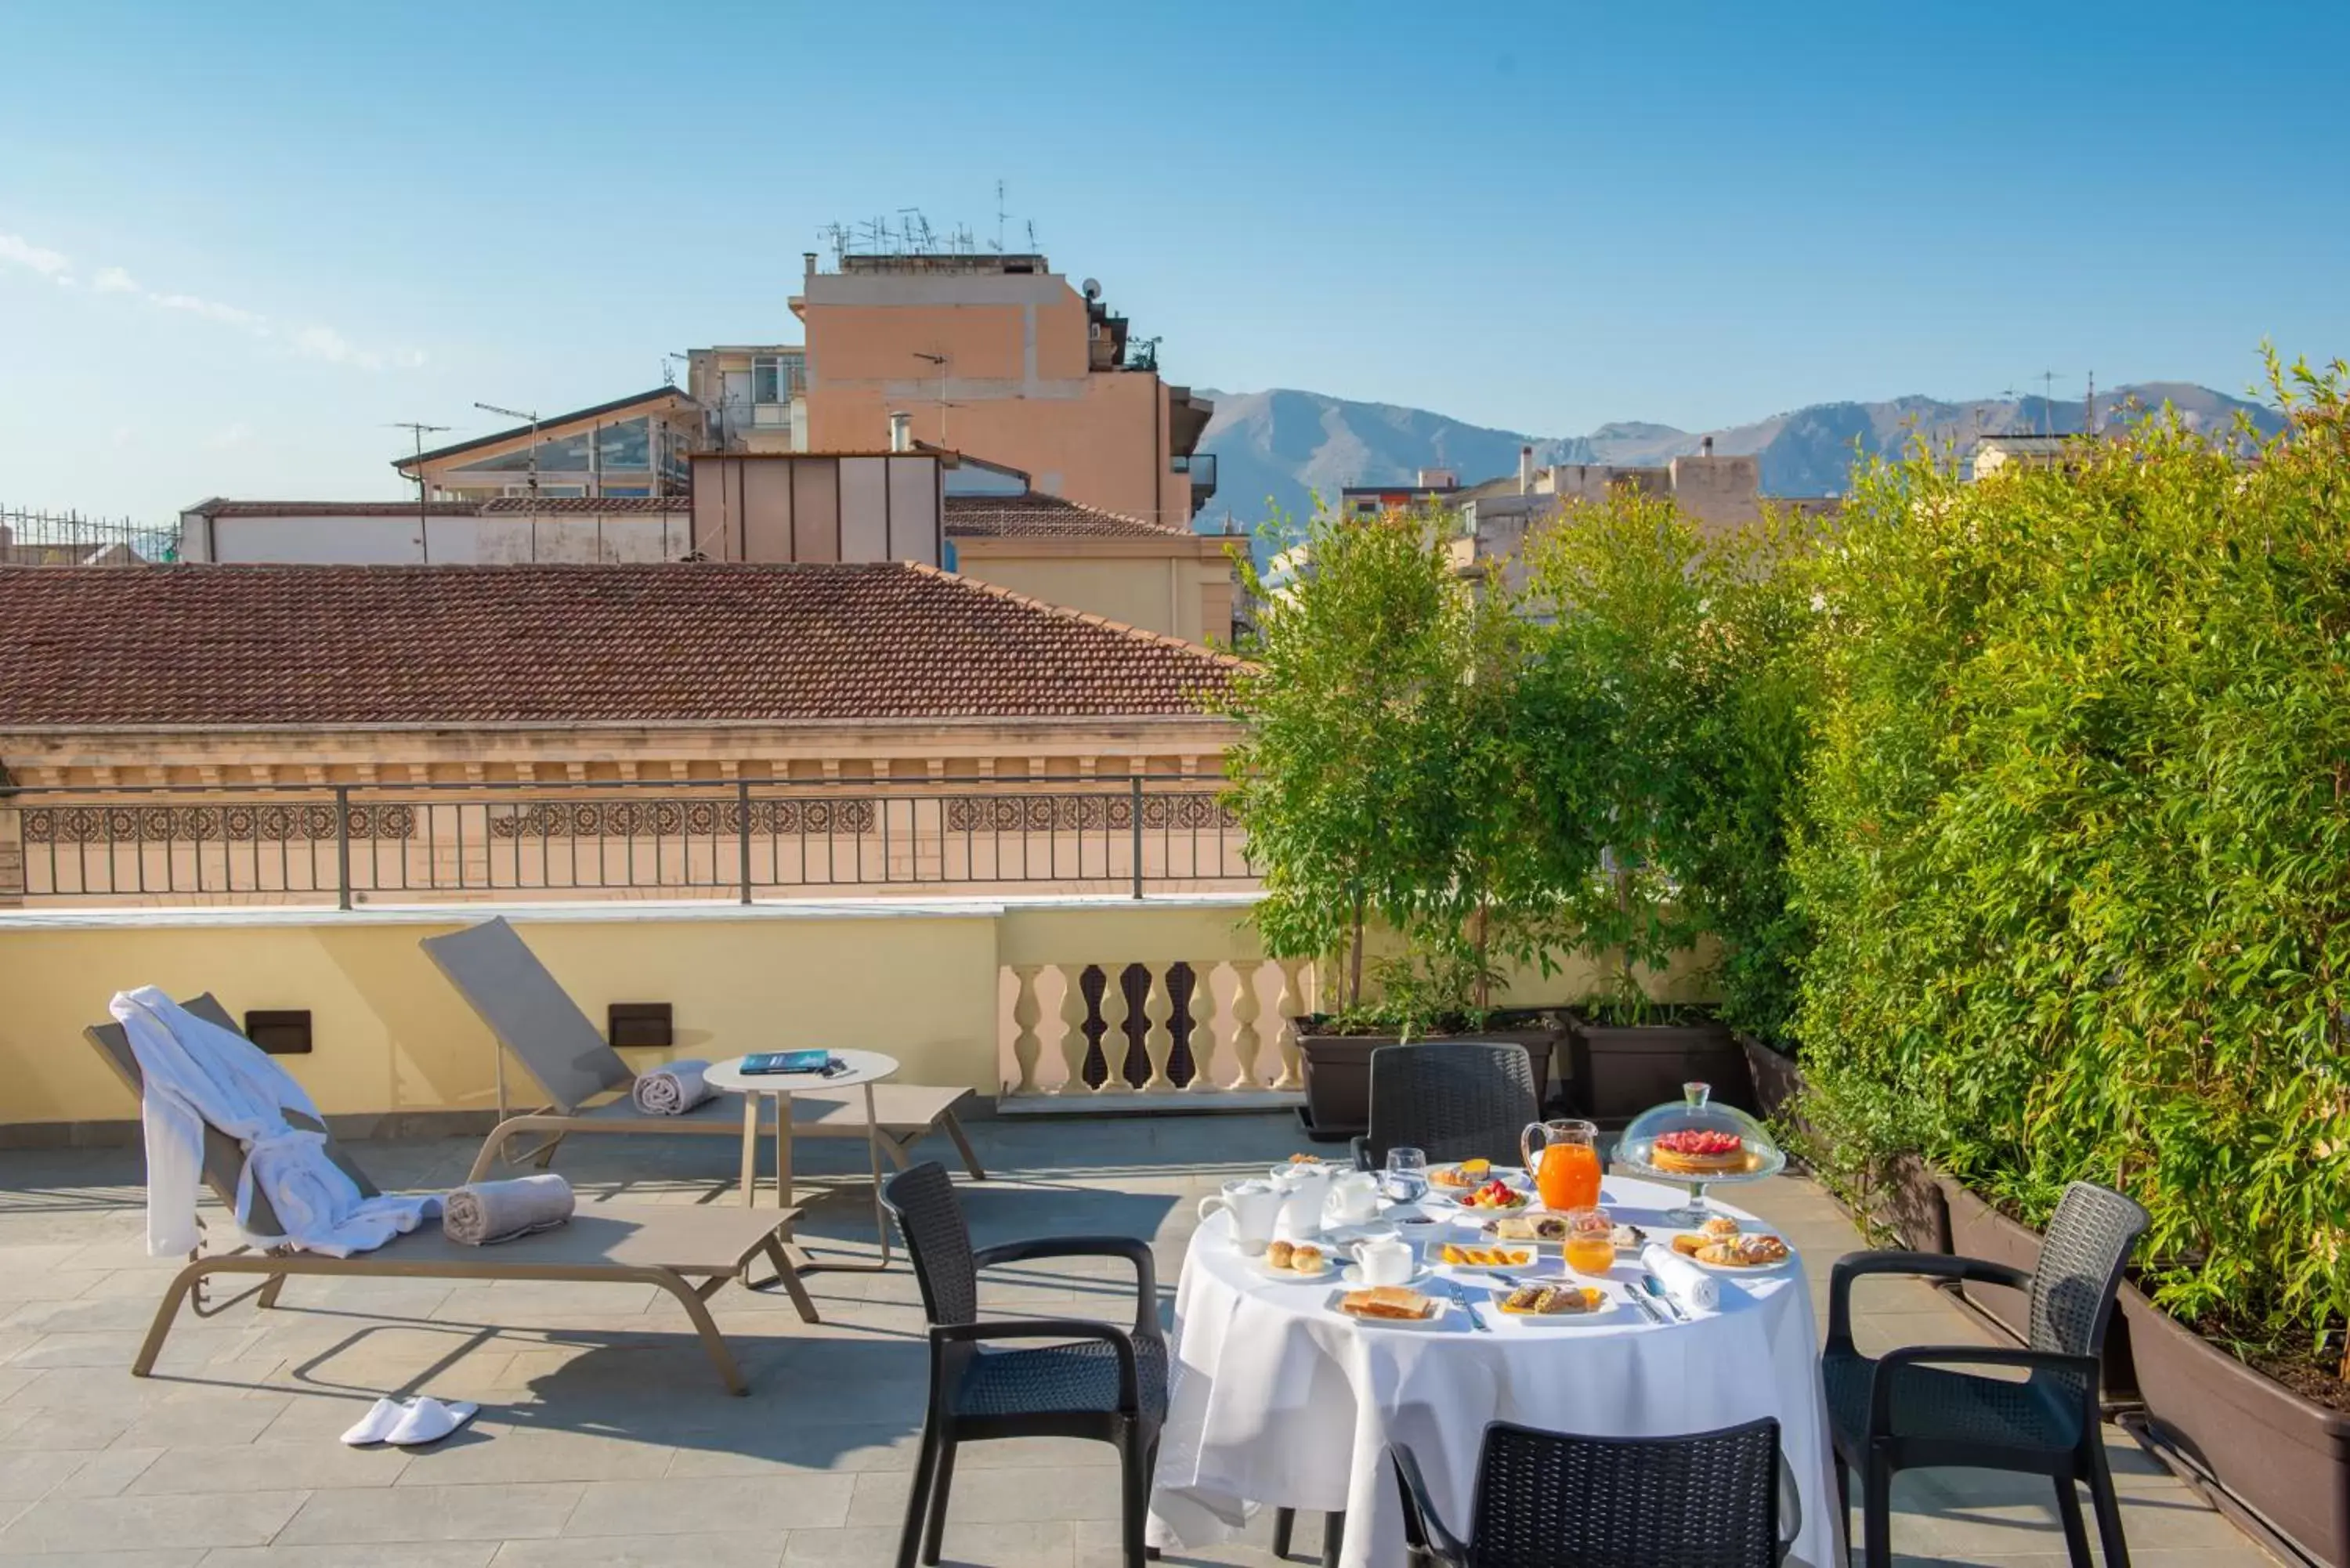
{"points": [[428, 1421], [376, 1425]]}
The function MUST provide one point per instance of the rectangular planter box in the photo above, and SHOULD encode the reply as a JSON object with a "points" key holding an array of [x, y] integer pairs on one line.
{"points": [[1616, 1071], [1979, 1230], [1778, 1082], [1338, 1073], [2285, 1457]]}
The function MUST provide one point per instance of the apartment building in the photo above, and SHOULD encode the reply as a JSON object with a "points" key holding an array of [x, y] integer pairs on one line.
{"points": [[1002, 356]]}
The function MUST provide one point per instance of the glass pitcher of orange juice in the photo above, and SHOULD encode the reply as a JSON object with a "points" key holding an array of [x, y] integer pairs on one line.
{"points": [[1564, 1160]]}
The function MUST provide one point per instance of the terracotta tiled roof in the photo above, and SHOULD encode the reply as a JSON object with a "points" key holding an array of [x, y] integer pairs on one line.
{"points": [[1006, 516], [558, 505], [221, 507], [228, 647]]}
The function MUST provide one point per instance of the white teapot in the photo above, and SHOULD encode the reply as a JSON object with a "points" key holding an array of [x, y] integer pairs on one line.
{"points": [[1355, 1198], [1253, 1205], [1306, 1189]]}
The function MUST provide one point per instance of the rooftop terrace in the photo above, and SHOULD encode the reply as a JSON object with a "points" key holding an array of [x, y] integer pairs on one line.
{"points": [[602, 1437]]}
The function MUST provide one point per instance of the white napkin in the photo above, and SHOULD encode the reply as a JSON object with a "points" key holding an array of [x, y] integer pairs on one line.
{"points": [[1683, 1281]]}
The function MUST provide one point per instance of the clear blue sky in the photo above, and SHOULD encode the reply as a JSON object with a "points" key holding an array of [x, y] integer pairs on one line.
{"points": [[288, 225]]}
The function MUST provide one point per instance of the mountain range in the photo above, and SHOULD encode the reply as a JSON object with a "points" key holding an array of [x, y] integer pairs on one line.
{"points": [[1276, 450]]}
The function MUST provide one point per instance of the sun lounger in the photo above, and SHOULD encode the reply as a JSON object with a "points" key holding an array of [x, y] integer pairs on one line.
{"points": [[534, 1019], [688, 1251]]}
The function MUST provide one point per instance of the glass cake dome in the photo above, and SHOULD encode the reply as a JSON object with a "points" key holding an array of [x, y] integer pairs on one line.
{"points": [[1698, 1141]]}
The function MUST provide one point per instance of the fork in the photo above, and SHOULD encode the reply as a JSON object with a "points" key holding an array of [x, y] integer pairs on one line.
{"points": [[1461, 1296]]}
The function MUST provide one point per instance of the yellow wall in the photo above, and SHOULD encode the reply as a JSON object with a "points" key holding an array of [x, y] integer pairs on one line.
{"points": [[1156, 593], [391, 1035]]}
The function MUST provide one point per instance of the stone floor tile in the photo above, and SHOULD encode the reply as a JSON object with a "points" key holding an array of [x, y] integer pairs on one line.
{"points": [[691, 1506], [487, 1452], [997, 1496], [249, 1467], [373, 1554], [147, 1523], [364, 1516], [1021, 1546], [716, 1549], [112, 1472], [24, 1476]]}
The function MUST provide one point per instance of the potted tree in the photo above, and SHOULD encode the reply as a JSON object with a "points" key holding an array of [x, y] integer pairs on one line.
{"points": [[1609, 701], [1371, 780]]}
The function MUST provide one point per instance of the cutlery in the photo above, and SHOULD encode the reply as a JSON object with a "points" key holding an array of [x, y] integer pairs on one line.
{"points": [[1657, 1289], [1648, 1308], [1475, 1322]]}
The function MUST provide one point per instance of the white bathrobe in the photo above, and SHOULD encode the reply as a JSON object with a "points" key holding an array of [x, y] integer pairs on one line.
{"points": [[197, 1073]]}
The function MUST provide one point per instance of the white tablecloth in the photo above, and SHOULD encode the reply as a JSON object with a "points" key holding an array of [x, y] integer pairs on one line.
{"points": [[1277, 1400]]}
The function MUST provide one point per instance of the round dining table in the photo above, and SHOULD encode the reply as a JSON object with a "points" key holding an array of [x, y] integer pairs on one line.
{"points": [[1278, 1399]]}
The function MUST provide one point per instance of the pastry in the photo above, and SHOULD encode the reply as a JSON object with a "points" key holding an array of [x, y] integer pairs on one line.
{"points": [[1688, 1245], [1468, 1173], [1529, 1228], [1306, 1258], [1720, 1227], [1544, 1301], [1279, 1254], [1626, 1238], [1391, 1302], [1486, 1257], [1744, 1252], [1697, 1152]]}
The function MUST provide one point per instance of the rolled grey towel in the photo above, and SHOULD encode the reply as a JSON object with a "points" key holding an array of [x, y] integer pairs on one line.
{"points": [[671, 1089], [482, 1212]]}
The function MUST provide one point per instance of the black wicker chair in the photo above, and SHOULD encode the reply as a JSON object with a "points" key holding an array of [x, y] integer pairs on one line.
{"points": [[1101, 1381], [1456, 1099], [1905, 1410], [1550, 1499]]}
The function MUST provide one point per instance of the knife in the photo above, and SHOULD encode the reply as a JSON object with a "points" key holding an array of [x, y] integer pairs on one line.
{"points": [[1657, 1289], [1648, 1308]]}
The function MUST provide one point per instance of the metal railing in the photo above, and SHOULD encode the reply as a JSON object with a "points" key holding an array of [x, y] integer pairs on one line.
{"points": [[350, 843], [33, 538]]}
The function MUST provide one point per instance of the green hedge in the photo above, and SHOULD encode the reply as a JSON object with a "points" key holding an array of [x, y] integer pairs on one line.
{"points": [[2075, 843]]}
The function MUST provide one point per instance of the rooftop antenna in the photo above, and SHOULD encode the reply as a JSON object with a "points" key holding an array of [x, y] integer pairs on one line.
{"points": [[532, 418], [669, 367], [1032, 236], [423, 531], [2047, 402], [941, 361], [1000, 215], [2089, 407]]}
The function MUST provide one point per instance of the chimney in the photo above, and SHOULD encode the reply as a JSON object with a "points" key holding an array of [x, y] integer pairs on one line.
{"points": [[1525, 471], [1705, 446], [809, 257], [902, 431]]}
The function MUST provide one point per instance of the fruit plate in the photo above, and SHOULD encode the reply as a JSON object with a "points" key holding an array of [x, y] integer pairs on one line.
{"points": [[1519, 1255]]}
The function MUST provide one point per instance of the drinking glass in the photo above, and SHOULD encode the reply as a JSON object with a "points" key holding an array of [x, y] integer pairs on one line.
{"points": [[1590, 1244], [1407, 1180]]}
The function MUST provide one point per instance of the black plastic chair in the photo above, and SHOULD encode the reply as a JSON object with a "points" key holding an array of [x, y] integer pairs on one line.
{"points": [[1456, 1099], [1551, 1499], [1103, 1381], [1905, 1411]]}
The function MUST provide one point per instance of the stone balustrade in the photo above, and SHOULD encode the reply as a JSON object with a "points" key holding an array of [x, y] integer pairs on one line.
{"points": [[1101, 1033]]}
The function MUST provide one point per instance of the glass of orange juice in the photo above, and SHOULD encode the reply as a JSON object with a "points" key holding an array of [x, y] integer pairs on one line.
{"points": [[1590, 1244], [1563, 1157]]}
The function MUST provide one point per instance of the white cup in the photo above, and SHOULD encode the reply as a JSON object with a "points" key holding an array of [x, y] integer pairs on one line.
{"points": [[1384, 1261]]}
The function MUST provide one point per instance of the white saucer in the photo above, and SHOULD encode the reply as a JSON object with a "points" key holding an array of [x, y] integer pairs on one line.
{"points": [[1291, 1276], [1353, 1276]]}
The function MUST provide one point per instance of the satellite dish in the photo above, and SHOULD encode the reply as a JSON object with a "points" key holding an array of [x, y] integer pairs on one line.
{"points": [[1093, 289]]}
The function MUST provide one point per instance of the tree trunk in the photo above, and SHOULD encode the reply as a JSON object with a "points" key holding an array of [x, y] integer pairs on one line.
{"points": [[1354, 961]]}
